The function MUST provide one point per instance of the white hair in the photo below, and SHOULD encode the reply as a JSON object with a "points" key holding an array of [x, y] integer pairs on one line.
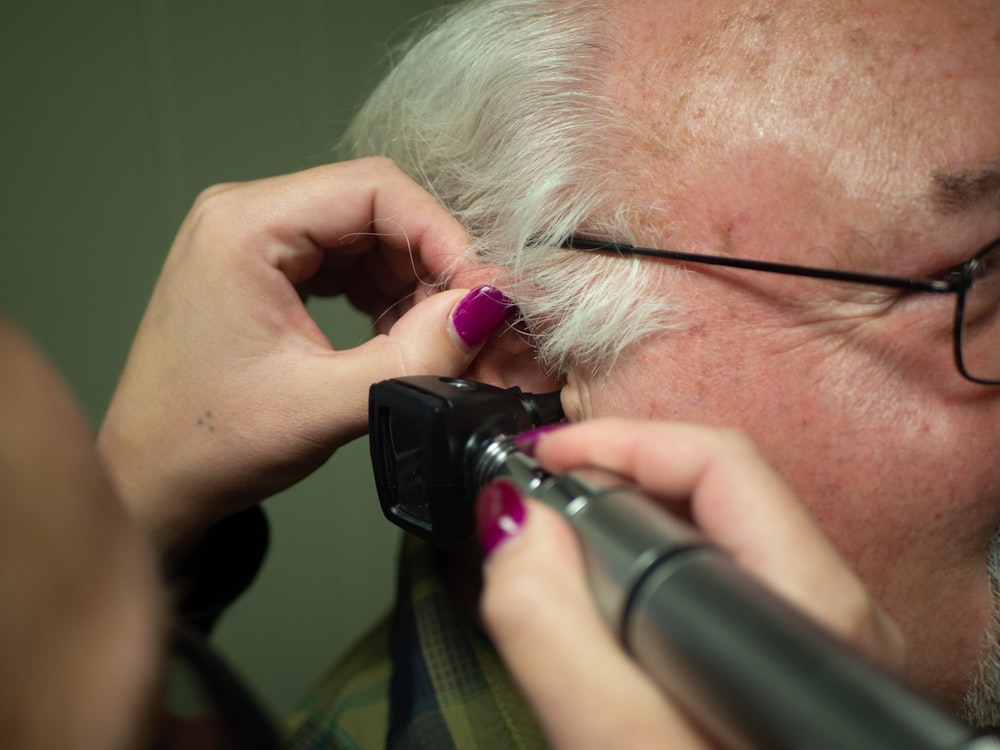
{"points": [[497, 111]]}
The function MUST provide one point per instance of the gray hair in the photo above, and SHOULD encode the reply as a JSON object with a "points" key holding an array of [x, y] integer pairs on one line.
{"points": [[981, 706], [497, 110]]}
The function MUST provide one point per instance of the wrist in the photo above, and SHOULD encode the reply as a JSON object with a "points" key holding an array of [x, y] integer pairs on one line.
{"points": [[148, 494]]}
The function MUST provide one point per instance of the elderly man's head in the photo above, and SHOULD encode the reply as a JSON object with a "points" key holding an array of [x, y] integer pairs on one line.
{"points": [[850, 135]]}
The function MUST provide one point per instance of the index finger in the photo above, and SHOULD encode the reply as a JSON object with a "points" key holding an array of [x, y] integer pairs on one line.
{"points": [[675, 461], [354, 207], [735, 497], [742, 505]]}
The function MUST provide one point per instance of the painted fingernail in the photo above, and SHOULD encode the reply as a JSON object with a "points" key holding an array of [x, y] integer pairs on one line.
{"points": [[526, 441], [500, 514], [480, 313]]}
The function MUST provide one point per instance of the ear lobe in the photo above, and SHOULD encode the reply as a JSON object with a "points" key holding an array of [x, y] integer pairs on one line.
{"points": [[509, 360]]}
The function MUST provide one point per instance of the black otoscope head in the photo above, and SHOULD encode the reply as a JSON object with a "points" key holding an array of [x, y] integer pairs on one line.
{"points": [[426, 433]]}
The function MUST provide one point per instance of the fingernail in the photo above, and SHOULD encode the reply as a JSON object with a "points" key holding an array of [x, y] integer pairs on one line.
{"points": [[480, 313], [500, 513], [526, 441]]}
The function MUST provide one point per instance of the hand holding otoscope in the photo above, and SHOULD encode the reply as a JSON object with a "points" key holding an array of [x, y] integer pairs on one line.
{"points": [[751, 669]]}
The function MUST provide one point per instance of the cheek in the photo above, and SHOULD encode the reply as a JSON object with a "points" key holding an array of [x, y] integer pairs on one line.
{"points": [[867, 446], [906, 483], [907, 487], [645, 384]]}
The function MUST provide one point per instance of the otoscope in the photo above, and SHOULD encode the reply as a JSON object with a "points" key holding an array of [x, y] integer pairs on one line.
{"points": [[752, 670]]}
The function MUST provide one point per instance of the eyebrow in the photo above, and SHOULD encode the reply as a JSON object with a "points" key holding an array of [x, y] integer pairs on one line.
{"points": [[965, 189]]}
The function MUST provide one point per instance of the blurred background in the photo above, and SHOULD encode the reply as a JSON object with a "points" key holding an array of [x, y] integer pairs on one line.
{"points": [[115, 115]]}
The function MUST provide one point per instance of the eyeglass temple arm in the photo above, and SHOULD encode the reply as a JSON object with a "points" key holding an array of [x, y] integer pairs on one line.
{"points": [[898, 282]]}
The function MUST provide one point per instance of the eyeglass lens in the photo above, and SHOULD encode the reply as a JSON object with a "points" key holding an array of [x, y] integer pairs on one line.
{"points": [[980, 330]]}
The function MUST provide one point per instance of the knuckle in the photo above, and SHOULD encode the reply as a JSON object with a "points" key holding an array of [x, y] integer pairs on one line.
{"points": [[734, 442], [211, 205], [381, 168], [737, 440], [210, 195], [379, 164]]}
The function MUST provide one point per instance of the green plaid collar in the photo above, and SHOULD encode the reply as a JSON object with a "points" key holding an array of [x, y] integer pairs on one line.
{"points": [[424, 678]]}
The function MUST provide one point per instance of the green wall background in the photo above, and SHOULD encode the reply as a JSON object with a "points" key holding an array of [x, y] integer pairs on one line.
{"points": [[115, 115]]}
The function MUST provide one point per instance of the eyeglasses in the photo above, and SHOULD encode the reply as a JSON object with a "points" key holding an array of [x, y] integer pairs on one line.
{"points": [[975, 284]]}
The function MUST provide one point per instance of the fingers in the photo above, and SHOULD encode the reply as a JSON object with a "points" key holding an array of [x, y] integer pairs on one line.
{"points": [[743, 506], [538, 611], [376, 218], [439, 336], [232, 392]]}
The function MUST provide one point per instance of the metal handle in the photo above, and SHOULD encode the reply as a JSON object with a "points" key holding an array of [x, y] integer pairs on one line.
{"points": [[752, 669]]}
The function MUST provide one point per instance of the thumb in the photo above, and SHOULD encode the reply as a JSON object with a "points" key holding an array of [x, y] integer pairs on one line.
{"points": [[439, 336], [424, 345], [537, 608]]}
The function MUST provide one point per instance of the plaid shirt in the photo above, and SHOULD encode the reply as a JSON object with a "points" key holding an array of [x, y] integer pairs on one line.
{"points": [[425, 677]]}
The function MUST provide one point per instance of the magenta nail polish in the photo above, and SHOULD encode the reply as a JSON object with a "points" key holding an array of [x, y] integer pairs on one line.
{"points": [[500, 513], [525, 442], [480, 313]]}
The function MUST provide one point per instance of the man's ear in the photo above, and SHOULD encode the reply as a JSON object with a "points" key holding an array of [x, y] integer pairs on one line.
{"points": [[508, 360]]}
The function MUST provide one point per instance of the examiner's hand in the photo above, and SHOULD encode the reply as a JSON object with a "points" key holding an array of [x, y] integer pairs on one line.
{"points": [[231, 391], [537, 607]]}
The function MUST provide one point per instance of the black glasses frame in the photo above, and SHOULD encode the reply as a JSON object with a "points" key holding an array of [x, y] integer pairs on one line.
{"points": [[957, 282]]}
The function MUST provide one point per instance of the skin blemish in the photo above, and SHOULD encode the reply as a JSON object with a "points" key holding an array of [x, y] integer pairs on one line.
{"points": [[695, 330], [206, 421], [737, 222], [734, 229]]}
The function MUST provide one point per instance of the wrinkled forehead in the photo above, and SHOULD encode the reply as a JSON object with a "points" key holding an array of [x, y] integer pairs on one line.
{"points": [[881, 94]]}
